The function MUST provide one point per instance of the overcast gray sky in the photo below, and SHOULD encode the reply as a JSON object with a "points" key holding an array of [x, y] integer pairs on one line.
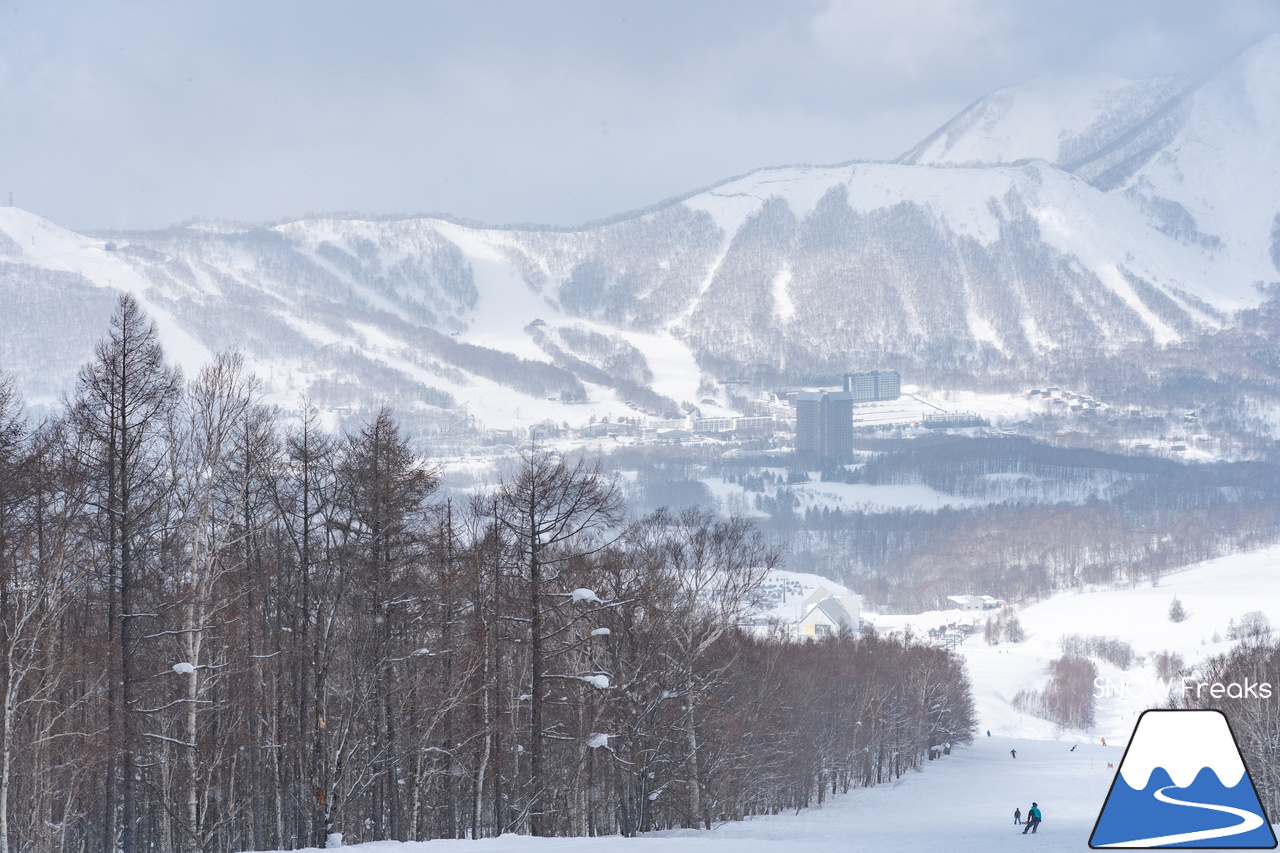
{"points": [[143, 114]]}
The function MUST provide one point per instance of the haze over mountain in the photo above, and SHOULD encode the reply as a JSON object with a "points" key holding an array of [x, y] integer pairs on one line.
{"points": [[1051, 220]]}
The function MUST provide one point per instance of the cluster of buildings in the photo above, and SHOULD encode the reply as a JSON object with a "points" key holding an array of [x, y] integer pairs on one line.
{"points": [[824, 419], [825, 613], [975, 602], [754, 425], [1075, 402]]}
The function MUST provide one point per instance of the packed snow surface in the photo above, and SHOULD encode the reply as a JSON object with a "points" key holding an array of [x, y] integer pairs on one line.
{"points": [[962, 802]]}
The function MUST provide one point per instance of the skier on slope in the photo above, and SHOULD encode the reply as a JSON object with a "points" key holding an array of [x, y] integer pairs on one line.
{"points": [[1014, 753], [1033, 819], [1017, 816]]}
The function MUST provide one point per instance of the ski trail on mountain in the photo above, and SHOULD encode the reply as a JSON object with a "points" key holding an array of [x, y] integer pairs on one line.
{"points": [[1250, 822]]}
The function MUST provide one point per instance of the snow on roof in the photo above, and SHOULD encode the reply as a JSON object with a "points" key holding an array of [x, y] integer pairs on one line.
{"points": [[787, 595], [835, 610]]}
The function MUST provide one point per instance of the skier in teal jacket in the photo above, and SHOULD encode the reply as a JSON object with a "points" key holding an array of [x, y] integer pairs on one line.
{"points": [[1033, 819]]}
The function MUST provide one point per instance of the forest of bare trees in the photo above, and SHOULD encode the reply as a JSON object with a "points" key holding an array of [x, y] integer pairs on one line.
{"points": [[222, 631], [1043, 517]]}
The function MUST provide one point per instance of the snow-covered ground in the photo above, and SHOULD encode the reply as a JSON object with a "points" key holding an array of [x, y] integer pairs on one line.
{"points": [[962, 802], [965, 801], [1213, 594]]}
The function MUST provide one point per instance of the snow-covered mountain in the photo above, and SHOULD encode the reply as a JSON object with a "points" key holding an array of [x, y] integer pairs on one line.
{"points": [[1198, 158], [1048, 220]]}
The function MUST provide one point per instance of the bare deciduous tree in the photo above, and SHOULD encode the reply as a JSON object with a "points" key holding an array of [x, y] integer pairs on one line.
{"points": [[122, 399]]}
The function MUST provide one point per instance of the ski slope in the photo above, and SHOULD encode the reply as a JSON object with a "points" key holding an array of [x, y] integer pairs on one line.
{"points": [[965, 801], [962, 802], [1213, 593]]}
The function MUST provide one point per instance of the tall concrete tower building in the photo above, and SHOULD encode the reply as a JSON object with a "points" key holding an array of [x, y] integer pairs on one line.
{"points": [[824, 424]]}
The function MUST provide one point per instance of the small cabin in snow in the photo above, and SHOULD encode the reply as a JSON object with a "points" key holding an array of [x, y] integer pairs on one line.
{"points": [[826, 613]]}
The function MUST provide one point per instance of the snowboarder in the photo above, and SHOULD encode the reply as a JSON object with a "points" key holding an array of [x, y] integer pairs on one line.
{"points": [[1014, 753], [1033, 819], [988, 732], [1104, 741], [1017, 816]]}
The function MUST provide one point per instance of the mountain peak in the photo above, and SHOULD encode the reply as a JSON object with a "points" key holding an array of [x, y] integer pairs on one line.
{"points": [[1268, 45], [1051, 118], [29, 237]]}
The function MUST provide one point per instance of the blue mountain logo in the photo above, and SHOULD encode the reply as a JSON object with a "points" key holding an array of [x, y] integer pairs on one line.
{"points": [[1182, 783]]}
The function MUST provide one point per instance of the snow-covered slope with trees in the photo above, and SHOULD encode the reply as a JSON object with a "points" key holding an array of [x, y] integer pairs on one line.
{"points": [[1050, 220], [962, 802], [967, 798]]}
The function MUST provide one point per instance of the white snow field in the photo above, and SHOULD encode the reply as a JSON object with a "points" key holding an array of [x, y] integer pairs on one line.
{"points": [[962, 802], [1213, 594], [965, 801]]}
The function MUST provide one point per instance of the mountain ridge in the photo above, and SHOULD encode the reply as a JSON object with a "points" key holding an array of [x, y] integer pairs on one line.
{"points": [[784, 274]]}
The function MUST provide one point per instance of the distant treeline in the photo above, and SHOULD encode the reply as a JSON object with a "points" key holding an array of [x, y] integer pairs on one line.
{"points": [[1050, 517], [1137, 518], [222, 632]]}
